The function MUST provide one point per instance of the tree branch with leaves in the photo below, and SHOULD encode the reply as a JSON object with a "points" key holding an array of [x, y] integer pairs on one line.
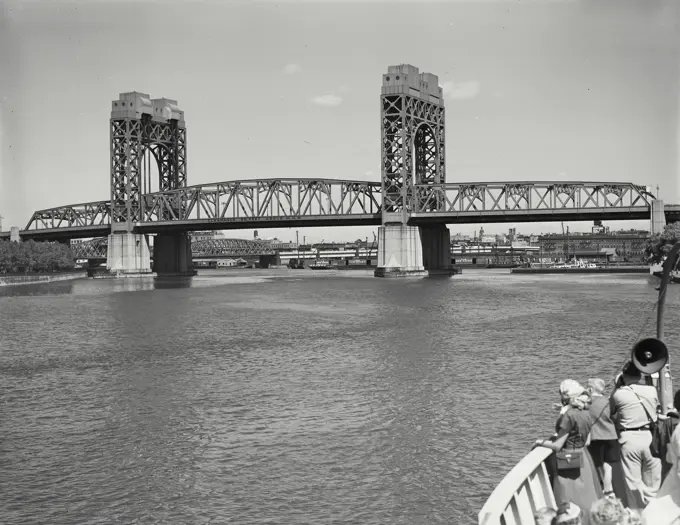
{"points": [[659, 245]]}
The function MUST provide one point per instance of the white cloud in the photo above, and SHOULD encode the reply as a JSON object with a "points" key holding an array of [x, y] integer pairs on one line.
{"points": [[460, 90], [329, 101], [291, 69]]}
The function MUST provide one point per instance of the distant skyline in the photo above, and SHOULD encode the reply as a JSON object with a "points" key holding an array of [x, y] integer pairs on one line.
{"points": [[535, 90]]}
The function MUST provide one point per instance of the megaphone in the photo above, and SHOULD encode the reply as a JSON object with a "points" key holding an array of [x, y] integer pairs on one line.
{"points": [[649, 355]]}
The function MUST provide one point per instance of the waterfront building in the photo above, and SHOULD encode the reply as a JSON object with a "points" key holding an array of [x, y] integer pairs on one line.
{"points": [[601, 246]]}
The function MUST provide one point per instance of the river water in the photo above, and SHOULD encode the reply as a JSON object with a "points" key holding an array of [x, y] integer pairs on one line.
{"points": [[293, 397]]}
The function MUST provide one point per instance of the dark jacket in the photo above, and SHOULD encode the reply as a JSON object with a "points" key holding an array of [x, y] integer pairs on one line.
{"points": [[666, 428]]}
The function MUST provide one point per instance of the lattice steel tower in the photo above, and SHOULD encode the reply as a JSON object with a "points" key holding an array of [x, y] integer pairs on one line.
{"points": [[412, 114], [144, 128]]}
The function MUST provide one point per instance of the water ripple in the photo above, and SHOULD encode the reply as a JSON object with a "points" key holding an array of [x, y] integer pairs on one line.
{"points": [[257, 397]]}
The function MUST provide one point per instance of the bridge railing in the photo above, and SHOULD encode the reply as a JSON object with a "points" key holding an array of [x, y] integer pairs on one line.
{"points": [[529, 196], [289, 198]]}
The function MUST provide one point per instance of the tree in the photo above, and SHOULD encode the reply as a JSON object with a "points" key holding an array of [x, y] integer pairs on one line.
{"points": [[34, 256], [661, 243]]}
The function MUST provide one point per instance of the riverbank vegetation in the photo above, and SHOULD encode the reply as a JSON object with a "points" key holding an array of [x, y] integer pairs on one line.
{"points": [[31, 256], [660, 244]]}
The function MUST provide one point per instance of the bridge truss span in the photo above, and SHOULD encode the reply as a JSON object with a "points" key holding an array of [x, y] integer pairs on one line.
{"points": [[313, 202], [244, 202], [539, 198], [268, 198], [89, 215]]}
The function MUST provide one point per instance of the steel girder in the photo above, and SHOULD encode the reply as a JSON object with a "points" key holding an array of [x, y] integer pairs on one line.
{"points": [[411, 126], [530, 196], [130, 137]]}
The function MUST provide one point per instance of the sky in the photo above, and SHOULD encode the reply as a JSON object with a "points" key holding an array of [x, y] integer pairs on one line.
{"points": [[534, 90]]}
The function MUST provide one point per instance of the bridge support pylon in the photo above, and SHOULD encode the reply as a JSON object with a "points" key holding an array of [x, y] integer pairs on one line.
{"points": [[399, 252], [128, 255], [436, 242], [172, 255], [412, 116]]}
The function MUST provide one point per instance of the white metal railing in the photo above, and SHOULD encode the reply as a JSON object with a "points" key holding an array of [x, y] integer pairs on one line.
{"points": [[524, 490]]}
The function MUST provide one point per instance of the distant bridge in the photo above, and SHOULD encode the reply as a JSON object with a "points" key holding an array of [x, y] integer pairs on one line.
{"points": [[97, 249]]}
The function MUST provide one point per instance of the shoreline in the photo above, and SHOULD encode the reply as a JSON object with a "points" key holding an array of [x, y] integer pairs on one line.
{"points": [[20, 280], [623, 269]]}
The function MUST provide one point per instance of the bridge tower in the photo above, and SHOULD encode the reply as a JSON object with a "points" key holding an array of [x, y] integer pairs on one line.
{"points": [[145, 130], [413, 153]]}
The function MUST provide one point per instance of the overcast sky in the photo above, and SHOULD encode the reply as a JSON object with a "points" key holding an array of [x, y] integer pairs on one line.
{"points": [[535, 90]]}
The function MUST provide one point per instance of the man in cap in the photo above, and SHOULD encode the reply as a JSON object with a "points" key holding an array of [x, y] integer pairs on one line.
{"points": [[632, 406]]}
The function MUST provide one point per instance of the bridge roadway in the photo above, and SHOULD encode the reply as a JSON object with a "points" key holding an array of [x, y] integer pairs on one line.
{"points": [[295, 203]]}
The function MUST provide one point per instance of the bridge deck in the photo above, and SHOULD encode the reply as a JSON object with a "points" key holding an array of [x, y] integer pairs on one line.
{"points": [[294, 203]]}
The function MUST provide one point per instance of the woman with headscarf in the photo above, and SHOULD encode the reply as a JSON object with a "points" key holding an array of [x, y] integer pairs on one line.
{"points": [[576, 479]]}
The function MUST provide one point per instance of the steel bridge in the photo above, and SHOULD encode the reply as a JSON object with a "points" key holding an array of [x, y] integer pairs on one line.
{"points": [[411, 203], [283, 203], [97, 249]]}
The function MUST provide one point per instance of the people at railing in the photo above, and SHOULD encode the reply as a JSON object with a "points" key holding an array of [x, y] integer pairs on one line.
{"points": [[633, 406], [575, 479], [604, 445], [611, 511], [665, 508], [667, 427]]}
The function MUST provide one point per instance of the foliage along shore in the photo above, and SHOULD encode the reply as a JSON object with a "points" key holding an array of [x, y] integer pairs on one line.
{"points": [[660, 244], [32, 256]]}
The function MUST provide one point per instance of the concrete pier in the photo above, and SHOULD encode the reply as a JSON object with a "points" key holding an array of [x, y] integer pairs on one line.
{"points": [[657, 220], [400, 252], [172, 255], [436, 247], [128, 255]]}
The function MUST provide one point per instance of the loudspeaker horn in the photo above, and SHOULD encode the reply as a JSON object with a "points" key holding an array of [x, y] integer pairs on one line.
{"points": [[649, 355]]}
